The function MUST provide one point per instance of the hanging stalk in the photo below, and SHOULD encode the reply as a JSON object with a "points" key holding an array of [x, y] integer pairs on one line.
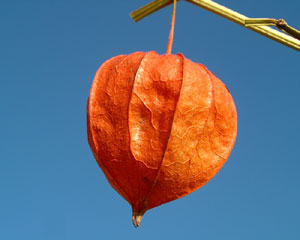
{"points": [[171, 36], [281, 37]]}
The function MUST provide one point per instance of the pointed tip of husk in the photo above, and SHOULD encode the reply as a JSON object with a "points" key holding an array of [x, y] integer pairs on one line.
{"points": [[137, 218]]}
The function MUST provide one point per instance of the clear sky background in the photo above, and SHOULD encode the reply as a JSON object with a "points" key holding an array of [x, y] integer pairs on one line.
{"points": [[50, 185]]}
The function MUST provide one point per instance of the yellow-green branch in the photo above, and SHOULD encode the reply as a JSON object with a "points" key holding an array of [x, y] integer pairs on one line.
{"points": [[231, 15]]}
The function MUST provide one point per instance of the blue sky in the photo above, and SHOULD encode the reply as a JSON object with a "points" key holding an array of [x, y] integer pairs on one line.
{"points": [[51, 186]]}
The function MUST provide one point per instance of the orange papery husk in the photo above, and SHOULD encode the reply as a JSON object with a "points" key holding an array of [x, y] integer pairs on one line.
{"points": [[159, 126]]}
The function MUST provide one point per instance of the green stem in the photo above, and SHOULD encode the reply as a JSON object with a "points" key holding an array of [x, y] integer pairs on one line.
{"points": [[281, 24], [231, 15], [260, 22], [149, 8]]}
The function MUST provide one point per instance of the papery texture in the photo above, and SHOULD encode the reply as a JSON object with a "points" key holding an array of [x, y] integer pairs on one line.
{"points": [[160, 126]]}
